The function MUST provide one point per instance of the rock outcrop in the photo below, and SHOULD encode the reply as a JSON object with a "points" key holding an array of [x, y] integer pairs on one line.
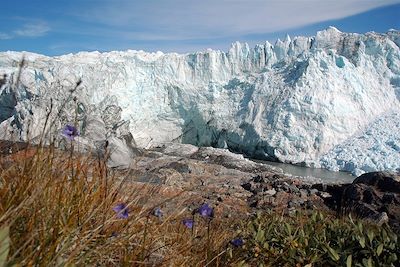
{"points": [[373, 196]]}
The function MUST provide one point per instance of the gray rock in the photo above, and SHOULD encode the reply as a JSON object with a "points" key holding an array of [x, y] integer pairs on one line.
{"points": [[303, 194], [313, 192], [270, 192], [290, 188], [380, 218], [120, 154], [325, 195], [177, 149], [95, 129], [290, 204]]}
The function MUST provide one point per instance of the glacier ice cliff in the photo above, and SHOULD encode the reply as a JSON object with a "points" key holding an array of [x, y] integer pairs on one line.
{"points": [[306, 100]]}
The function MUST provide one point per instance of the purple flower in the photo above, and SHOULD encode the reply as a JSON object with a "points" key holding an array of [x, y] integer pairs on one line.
{"points": [[121, 210], [70, 132], [188, 223], [206, 211], [237, 242], [158, 212]]}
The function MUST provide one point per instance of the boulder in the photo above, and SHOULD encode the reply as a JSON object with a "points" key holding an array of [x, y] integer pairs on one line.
{"points": [[374, 196]]}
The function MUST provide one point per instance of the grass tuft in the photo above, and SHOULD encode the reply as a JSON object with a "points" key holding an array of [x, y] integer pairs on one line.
{"points": [[61, 210], [66, 209]]}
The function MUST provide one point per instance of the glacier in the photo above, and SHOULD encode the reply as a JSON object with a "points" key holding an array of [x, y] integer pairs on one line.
{"points": [[327, 101]]}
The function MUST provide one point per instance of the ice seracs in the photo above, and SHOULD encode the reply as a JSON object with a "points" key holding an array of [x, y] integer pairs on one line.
{"points": [[297, 101], [375, 148]]}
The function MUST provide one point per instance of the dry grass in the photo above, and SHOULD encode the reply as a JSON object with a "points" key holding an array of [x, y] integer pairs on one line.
{"points": [[59, 208]]}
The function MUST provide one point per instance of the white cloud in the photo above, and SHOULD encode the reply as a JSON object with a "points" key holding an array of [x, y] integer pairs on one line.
{"points": [[5, 36], [185, 19], [36, 29], [31, 28]]}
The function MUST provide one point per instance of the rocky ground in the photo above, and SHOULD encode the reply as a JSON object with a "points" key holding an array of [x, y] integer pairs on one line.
{"points": [[185, 175], [235, 185]]}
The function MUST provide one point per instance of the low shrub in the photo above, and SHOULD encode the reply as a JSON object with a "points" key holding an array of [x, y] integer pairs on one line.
{"points": [[316, 239]]}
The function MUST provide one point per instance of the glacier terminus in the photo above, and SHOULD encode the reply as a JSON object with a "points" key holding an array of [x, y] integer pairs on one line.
{"points": [[328, 101]]}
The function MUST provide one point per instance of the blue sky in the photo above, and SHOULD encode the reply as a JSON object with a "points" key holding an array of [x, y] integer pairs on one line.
{"points": [[55, 27]]}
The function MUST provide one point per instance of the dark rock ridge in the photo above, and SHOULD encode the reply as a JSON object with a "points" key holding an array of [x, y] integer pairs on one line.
{"points": [[374, 196]]}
